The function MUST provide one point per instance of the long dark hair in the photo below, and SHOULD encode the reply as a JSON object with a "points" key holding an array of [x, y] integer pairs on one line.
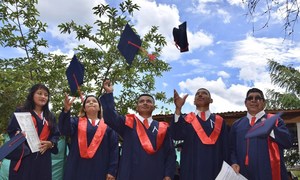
{"points": [[29, 104]]}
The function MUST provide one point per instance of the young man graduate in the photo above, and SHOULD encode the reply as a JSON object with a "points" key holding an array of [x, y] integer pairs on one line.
{"points": [[254, 154], [205, 138], [147, 149]]}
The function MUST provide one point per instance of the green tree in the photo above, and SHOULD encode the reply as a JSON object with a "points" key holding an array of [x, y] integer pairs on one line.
{"points": [[106, 61], [21, 29], [288, 79]]}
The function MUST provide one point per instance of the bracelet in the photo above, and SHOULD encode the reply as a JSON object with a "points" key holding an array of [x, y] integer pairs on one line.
{"points": [[52, 145]]}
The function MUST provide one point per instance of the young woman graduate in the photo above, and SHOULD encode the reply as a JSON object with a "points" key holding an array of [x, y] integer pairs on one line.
{"points": [[38, 165], [94, 149]]}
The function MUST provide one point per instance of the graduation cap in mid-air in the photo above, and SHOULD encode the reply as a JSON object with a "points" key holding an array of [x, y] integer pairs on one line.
{"points": [[263, 128], [75, 75], [129, 45], [180, 38]]}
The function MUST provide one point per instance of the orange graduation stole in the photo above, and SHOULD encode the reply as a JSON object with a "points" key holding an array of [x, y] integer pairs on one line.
{"points": [[43, 137], [274, 155], [192, 119], [86, 151], [45, 131], [143, 137]]}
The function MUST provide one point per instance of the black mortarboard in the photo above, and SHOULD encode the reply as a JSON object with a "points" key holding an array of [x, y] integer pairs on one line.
{"points": [[75, 74], [12, 149], [180, 38], [129, 45], [263, 128]]}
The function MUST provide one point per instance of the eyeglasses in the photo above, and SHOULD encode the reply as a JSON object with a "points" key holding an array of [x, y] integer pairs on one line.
{"points": [[256, 98]]}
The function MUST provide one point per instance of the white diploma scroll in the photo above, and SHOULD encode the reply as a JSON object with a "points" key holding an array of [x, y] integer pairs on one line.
{"points": [[25, 121], [227, 173]]}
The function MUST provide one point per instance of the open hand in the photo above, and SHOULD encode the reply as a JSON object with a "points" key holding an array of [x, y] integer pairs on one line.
{"points": [[68, 102], [179, 101], [108, 86]]}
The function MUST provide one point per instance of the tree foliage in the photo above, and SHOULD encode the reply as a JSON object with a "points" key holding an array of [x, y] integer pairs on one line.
{"points": [[105, 61], [288, 79], [20, 29], [292, 157]]}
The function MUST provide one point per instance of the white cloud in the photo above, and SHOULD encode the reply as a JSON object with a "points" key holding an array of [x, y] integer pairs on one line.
{"points": [[211, 53], [210, 8], [225, 15], [193, 62], [251, 55], [79, 11], [224, 99], [201, 8], [56, 11], [194, 67], [165, 84], [223, 74], [199, 39], [238, 3], [166, 17]]}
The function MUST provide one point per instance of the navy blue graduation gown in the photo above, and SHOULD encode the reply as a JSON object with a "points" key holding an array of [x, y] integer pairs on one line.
{"points": [[34, 166], [135, 163], [259, 167], [105, 160], [200, 161]]}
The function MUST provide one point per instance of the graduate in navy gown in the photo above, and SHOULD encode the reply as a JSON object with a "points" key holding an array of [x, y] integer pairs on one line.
{"points": [[38, 165], [204, 135], [258, 158], [147, 149], [94, 151]]}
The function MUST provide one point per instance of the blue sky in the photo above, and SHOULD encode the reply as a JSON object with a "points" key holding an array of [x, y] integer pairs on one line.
{"points": [[225, 55]]}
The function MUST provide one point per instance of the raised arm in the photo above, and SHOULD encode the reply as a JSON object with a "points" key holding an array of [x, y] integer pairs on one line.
{"points": [[179, 102], [65, 116], [177, 124], [110, 115]]}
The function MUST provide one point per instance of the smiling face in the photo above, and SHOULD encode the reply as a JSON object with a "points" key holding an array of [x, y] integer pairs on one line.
{"points": [[202, 98], [255, 103], [40, 98], [145, 105]]}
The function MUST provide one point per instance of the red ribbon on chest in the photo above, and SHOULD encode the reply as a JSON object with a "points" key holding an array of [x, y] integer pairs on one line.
{"points": [[86, 151], [45, 131], [142, 135], [192, 119], [274, 156]]}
